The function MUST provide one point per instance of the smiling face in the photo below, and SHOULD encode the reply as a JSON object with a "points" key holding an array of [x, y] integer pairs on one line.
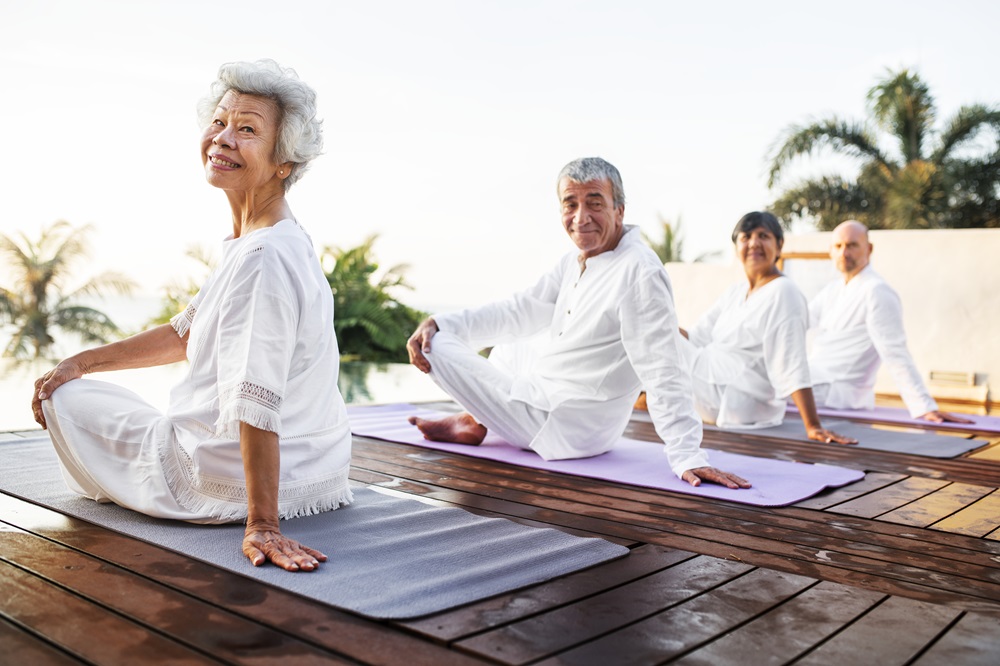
{"points": [[758, 251], [237, 148], [590, 217], [850, 249]]}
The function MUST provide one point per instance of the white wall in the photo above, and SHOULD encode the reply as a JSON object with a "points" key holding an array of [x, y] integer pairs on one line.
{"points": [[948, 281]]}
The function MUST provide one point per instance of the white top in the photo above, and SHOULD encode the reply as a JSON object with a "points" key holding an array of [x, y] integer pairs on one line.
{"points": [[605, 334], [755, 349], [262, 351], [860, 324]]}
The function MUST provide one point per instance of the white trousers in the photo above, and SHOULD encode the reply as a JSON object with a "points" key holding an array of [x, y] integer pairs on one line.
{"points": [[109, 442], [482, 387]]}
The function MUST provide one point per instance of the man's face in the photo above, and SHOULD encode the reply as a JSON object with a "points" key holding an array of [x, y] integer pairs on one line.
{"points": [[590, 216], [850, 249]]}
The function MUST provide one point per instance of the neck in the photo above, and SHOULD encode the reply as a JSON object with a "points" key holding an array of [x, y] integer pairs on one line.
{"points": [[257, 209], [758, 280]]}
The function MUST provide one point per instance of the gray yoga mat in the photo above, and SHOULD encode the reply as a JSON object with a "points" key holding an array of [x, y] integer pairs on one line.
{"points": [[389, 557], [919, 443]]}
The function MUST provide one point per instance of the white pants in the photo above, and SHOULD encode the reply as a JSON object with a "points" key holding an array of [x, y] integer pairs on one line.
{"points": [[482, 388], [109, 441]]}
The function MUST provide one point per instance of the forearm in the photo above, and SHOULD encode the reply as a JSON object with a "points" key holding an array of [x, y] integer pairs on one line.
{"points": [[261, 466], [157, 346], [806, 404]]}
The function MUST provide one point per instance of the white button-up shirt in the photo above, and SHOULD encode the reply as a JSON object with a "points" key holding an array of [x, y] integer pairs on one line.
{"points": [[606, 333], [860, 325]]}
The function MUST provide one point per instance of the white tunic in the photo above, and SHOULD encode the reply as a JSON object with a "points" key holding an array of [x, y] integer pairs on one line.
{"points": [[262, 351], [604, 335], [751, 352], [859, 325]]}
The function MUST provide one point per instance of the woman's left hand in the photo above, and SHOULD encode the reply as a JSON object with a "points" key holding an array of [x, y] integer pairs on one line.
{"points": [[828, 436], [263, 544]]}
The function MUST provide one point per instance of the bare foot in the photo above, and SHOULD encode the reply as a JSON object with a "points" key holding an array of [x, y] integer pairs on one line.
{"points": [[457, 429]]}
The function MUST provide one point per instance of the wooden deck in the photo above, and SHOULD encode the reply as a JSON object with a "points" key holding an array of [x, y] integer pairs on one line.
{"points": [[901, 568]]}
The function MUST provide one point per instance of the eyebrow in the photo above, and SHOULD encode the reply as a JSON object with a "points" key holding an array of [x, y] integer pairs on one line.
{"points": [[242, 113]]}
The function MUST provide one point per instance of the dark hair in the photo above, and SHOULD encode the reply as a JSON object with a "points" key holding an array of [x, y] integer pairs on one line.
{"points": [[756, 220]]}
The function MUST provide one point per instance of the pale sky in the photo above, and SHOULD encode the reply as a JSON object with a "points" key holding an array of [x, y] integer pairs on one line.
{"points": [[446, 122]]}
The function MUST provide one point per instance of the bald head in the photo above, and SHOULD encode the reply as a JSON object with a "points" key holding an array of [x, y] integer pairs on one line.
{"points": [[850, 248]]}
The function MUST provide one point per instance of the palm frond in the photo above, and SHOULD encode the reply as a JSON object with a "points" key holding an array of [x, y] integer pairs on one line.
{"points": [[847, 138]]}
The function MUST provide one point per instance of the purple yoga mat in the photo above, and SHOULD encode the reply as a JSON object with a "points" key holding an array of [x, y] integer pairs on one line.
{"points": [[902, 417], [634, 462]]}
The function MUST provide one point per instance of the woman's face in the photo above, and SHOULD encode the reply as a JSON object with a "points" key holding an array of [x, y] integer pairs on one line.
{"points": [[237, 148], [758, 250]]}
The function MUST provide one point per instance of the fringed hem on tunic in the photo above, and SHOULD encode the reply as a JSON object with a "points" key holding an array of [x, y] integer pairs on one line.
{"points": [[225, 500], [227, 426]]}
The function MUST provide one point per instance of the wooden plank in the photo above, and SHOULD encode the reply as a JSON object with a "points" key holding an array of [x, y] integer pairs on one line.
{"points": [[20, 647], [788, 631], [973, 641], [73, 624], [890, 498], [506, 608], [937, 505], [991, 452], [364, 640], [894, 632], [833, 496], [201, 626], [562, 628], [978, 519], [679, 629]]}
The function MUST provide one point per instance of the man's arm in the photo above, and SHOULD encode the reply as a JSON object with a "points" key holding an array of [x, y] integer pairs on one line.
{"points": [[884, 322], [650, 335]]}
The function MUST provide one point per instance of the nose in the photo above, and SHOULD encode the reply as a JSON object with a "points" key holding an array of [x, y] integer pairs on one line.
{"points": [[225, 138], [580, 217]]}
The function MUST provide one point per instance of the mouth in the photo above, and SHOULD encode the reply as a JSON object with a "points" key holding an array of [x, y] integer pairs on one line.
{"points": [[223, 162]]}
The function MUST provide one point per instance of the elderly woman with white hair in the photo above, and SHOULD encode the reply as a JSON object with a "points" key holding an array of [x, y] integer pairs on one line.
{"points": [[257, 430]]}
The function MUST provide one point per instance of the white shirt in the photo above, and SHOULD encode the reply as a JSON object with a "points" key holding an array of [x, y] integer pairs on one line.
{"points": [[754, 348], [262, 351], [860, 325], [605, 334]]}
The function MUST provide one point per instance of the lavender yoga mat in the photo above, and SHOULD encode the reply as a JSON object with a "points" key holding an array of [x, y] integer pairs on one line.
{"points": [[902, 417], [634, 462]]}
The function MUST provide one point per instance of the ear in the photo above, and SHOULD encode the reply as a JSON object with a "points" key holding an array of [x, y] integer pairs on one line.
{"points": [[285, 170]]}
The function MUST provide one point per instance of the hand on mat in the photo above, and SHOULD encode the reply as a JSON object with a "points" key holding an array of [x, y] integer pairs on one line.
{"points": [[828, 436], [261, 545], [944, 417], [49, 382], [420, 342], [698, 474]]}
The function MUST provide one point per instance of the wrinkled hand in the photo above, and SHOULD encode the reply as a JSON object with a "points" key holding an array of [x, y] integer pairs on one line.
{"points": [[49, 382], [942, 417], [262, 544], [828, 436], [420, 342], [712, 475]]}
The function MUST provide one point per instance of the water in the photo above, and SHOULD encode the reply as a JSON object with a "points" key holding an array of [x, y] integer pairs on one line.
{"points": [[360, 383]]}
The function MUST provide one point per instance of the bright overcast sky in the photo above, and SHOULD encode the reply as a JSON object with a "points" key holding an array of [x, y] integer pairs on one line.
{"points": [[446, 122]]}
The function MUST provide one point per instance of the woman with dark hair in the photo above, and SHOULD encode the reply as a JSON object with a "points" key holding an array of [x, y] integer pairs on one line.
{"points": [[747, 354], [257, 430]]}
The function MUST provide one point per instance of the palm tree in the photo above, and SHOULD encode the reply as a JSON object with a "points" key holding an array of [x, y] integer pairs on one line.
{"points": [[671, 248], [917, 177], [371, 324], [177, 295], [39, 302]]}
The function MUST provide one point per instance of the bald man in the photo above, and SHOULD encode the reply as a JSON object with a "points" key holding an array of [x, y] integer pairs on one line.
{"points": [[860, 326]]}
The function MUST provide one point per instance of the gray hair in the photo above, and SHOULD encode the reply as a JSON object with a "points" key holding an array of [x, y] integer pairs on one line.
{"points": [[300, 133], [586, 169]]}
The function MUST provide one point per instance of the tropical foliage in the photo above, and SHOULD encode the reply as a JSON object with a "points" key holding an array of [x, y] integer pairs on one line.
{"points": [[371, 324], [177, 295], [40, 300], [911, 176], [671, 247]]}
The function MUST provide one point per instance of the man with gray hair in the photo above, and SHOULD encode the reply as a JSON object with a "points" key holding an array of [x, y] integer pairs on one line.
{"points": [[859, 323], [603, 326]]}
